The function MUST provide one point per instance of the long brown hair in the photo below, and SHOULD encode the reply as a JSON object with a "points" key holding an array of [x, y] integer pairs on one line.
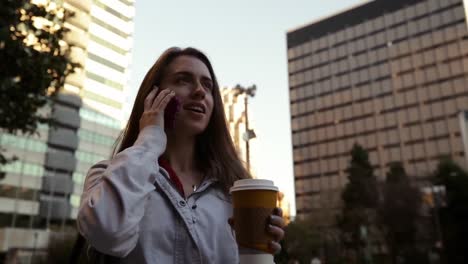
{"points": [[214, 149]]}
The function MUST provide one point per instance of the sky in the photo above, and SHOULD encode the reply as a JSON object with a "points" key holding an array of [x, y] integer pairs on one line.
{"points": [[246, 43]]}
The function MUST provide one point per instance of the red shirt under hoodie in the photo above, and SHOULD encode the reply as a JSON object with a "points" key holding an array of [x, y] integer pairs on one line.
{"points": [[173, 176]]}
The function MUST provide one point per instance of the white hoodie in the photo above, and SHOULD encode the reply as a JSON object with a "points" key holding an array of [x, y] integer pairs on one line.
{"points": [[130, 209]]}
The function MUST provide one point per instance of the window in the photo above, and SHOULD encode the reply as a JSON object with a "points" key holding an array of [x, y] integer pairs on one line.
{"points": [[428, 129], [320, 134], [406, 64], [413, 114], [431, 73], [302, 107], [437, 109], [323, 166], [370, 123], [371, 141], [425, 112], [26, 168], [390, 119], [332, 150], [456, 66], [107, 44], [78, 177], [99, 118], [294, 109], [347, 112], [357, 109], [419, 75], [449, 107], [339, 130], [388, 102], [295, 139], [349, 130], [443, 146], [405, 134], [294, 124], [415, 132], [95, 138], [411, 97], [393, 137]]}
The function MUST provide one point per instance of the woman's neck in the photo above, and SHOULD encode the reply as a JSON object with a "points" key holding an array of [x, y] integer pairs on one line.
{"points": [[180, 152]]}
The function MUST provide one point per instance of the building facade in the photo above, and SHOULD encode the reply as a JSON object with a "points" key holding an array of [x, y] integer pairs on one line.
{"points": [[389, 75], [235, 106], [40, 193]]}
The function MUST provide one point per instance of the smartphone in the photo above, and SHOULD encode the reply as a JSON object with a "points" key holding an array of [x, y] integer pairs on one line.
{"points": [[172, 108]]}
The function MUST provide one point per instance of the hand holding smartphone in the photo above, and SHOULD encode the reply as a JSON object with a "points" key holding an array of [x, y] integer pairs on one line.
{"points": [[172, 108]]}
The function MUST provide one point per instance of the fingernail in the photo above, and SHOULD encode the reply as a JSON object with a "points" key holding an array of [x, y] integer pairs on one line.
{"points": [[270, 247]]}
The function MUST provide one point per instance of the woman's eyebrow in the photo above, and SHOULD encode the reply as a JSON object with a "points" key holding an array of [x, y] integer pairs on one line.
{"points": [[190, 74], [183, 73], [206, 78]]}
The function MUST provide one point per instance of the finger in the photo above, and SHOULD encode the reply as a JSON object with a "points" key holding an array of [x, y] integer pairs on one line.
{"points": [[274, 247], [276, 232], [277, 221], [157, 101], [150, 98], [165, 101], [278, 211]]}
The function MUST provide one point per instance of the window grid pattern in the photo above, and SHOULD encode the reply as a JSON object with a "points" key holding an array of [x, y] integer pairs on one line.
{"points": [[394, 84]]}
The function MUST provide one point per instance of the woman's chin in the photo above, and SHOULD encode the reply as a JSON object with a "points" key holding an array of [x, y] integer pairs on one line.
{"points": [[191, 128]]}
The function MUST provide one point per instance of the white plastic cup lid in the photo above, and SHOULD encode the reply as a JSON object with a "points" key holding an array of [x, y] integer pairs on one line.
{"points": [[256, 259], [253, 184]]}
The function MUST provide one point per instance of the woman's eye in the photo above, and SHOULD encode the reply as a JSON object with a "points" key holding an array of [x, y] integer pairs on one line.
{"points": [[182, 80], [208, 85]]}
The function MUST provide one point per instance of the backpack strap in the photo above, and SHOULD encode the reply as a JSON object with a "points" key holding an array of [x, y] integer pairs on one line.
{"points": [[82, 250], [78, 248]]}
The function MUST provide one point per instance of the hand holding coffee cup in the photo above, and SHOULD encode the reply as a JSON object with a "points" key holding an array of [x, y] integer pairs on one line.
{"points": [[257, 222], [275, 229]]}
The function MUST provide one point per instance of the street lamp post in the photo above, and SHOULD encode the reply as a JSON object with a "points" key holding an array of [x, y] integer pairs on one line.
{"points": [[438, 196], [249, 133]]}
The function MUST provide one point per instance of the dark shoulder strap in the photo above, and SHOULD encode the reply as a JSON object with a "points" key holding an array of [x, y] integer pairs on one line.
{"points": [[77, 249], [82, 254]]}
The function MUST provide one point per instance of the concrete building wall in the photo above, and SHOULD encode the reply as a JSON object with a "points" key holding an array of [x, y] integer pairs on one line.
{"points": [[391, 76]]}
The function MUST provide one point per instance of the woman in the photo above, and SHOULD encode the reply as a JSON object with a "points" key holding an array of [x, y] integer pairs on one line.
{"points": [[163, 197]]}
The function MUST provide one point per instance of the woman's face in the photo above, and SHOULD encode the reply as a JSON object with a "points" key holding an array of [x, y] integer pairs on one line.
{"points": [[191, 80]]}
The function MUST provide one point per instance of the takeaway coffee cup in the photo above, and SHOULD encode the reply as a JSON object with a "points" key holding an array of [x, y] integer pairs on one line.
{"points": [[253, 203], [251, 256]]}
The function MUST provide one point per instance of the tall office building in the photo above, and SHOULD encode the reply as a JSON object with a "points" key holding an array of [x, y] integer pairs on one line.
{"points": [[40, 194], [389, 75]]}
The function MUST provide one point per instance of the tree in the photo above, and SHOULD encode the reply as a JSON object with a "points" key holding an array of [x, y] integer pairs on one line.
{"points": [[360, 198], [302, 241], [454, 216], [35, 62], [399, 212]]}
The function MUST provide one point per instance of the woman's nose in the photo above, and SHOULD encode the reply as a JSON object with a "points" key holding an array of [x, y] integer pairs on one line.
{"points": [[199, 91]]}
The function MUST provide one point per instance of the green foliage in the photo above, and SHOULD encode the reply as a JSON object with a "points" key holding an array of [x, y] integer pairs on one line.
{"points": [[454, 216], [399, 212], [35, 62], [361, 190], [360, 198], [302, 242]]}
